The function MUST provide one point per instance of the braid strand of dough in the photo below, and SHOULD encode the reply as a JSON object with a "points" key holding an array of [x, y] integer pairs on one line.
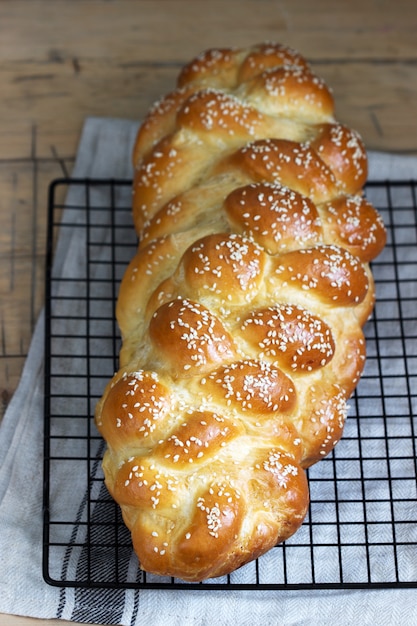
{"points": [[241, 313]]}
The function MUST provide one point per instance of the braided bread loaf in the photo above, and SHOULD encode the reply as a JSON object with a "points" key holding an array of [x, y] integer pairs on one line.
{"points": [[241, 313]]}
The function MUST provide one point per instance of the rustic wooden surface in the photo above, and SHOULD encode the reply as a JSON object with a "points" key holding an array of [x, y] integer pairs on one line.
{"points": [[64, 60]]}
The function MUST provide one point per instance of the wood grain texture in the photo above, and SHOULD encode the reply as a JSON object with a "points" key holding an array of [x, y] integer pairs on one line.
{"points": [[63, 61]]}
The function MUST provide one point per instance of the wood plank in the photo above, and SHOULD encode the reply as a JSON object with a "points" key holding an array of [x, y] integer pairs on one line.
{"points": [[52, 76], [23, 221], [376, 99], [143, 30]]}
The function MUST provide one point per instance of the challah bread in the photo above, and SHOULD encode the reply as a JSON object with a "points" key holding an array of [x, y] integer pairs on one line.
{"points": [[241, 313]]}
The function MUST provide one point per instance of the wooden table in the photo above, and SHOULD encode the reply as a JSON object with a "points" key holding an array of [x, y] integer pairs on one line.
{"points": [[64, 60]]}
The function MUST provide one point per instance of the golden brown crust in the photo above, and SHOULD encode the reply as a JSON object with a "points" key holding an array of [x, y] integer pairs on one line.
{"points": [[353, 223], [276, 217], [200, 339], [290, 335], [241, 313]]}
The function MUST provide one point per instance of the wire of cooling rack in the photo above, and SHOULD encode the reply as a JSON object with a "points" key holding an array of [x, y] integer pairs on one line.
{"points": [[361, 530]]}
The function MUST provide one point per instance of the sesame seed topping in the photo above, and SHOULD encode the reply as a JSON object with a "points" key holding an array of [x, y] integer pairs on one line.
{"points": [[277, 465], [200, 334]]}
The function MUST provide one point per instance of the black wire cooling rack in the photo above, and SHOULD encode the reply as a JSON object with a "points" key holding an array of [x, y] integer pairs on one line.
{"points": [[361, 530]]}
